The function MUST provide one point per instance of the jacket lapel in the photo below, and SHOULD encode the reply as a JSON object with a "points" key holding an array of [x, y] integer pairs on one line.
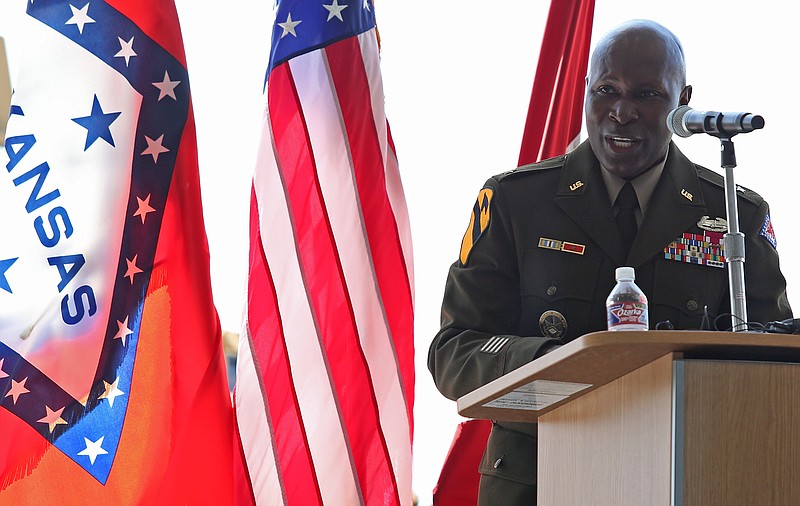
{"points": [[582, 195], [676, 206]]}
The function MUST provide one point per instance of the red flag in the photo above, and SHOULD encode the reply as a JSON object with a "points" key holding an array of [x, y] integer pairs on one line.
{"points": [[325, 370], [553, 127], [112, 376], [555, 113]]}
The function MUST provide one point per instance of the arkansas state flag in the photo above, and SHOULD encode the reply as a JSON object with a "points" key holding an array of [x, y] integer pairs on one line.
{"points": [[112, 380]]}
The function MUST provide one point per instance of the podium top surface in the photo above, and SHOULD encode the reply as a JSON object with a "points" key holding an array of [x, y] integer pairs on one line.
{"points": [[598, 358]]}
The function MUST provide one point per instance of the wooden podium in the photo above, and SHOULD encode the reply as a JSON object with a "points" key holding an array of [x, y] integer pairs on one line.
{"points": [[679, 418]]}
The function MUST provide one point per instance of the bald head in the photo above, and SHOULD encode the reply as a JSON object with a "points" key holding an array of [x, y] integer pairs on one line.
{"points": [[644, 33], [636, 77]]}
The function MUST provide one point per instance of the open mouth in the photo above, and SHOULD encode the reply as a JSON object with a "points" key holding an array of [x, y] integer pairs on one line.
{"points": [[621, 144]]}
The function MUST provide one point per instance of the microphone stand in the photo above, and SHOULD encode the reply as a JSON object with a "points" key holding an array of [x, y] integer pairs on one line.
{"points": [[733, 240]]}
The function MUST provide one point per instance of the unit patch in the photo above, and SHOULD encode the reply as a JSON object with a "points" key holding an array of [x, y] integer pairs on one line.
{"points": [[768, 233], [701, 249], [478, 222]]}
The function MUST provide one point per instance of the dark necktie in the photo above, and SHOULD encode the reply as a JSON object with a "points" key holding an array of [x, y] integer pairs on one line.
{"points": [[626, 219]]}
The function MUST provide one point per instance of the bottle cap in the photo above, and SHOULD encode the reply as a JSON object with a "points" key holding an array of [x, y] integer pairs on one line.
{"points": [[625, 273]]}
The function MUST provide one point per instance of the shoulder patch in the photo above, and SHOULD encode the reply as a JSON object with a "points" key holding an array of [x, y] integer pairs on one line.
{"points": [[768, 233], [478, 222]]}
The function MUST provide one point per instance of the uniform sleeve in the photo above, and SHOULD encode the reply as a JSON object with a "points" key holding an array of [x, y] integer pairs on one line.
{"points": [[765, 286], [478, 340]]}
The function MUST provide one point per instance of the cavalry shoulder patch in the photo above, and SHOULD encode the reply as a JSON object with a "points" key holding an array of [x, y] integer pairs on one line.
{"points": [[478, 222], [701, 249]]}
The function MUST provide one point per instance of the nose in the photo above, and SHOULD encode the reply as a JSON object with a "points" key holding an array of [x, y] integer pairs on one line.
{"points": [[623, 111]]}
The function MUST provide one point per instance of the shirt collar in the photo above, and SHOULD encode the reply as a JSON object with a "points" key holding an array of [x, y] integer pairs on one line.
{"points": [[644, 184]]}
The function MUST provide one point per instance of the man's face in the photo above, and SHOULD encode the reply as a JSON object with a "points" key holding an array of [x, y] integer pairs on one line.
{"points": [[632, 88]]}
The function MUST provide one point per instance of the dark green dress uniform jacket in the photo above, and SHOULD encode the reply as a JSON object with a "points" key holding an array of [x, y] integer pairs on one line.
{"points": [[505, 280]]}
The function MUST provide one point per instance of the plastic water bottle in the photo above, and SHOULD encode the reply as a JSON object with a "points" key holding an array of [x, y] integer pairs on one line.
{"points": [[626, 305]]}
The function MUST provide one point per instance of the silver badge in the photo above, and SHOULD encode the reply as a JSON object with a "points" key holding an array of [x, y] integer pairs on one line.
{"points": [[553, 324], [715, 225]]}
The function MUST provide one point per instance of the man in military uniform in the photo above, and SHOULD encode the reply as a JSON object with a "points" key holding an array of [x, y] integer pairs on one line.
{"points": [[538, 259]]}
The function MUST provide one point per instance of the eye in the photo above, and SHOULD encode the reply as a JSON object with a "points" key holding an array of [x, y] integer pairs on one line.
{"points": [[649, 94], [605, 89]]}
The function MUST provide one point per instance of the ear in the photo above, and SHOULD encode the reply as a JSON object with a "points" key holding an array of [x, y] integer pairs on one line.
{"points": [[686, 95]]}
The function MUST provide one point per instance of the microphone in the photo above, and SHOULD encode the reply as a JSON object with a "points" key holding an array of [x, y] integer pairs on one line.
{"points": [[684, 121]]}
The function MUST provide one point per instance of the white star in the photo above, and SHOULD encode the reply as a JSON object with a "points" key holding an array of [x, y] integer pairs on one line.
{"points": [[166, 87], [144, 209], [123, 331], [93, 449], [133, 269], [80, 17], [3, 374], [288, 26], [112, 391], [53, 418], [366, 4], [125, 50], [335, 9], [17, 388], [154, 147]]}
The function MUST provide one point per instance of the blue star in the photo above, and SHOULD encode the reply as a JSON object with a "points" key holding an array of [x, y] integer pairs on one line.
{"points": [[4, 265], [97, 124]]}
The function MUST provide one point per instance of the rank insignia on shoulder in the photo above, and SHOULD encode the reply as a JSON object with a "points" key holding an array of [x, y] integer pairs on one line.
{"points": [[768, 233], [478, 223], [701, 249], [713, 225], [569, 247]]}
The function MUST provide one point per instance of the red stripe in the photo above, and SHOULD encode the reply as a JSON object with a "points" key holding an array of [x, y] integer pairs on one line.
{"points": [[353, 92], [326, 287], [296, 469]]}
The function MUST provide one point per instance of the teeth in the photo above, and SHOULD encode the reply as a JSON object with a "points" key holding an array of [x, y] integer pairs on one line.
{"points": [[622, 141]]}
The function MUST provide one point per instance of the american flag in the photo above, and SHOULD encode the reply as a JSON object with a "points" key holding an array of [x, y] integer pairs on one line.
{"points": [[112, 380], [325, 374]]}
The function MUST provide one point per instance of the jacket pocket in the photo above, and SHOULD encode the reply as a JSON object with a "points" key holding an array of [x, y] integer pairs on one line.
{"points": [[683, 290], [510, 455], [563, 282]]}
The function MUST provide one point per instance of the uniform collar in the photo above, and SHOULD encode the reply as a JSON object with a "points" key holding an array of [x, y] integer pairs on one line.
{"points": [[643, 184], [675, 204]]}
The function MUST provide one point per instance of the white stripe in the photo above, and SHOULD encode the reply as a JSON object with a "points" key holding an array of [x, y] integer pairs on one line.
{"points": [[494, 344], [394, 186], [312, 383], [336, 177], [254, 427]]}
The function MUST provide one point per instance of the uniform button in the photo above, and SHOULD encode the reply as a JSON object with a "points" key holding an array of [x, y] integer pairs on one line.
{"points": [[552, 290], [691, 305], [498, 462]]}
